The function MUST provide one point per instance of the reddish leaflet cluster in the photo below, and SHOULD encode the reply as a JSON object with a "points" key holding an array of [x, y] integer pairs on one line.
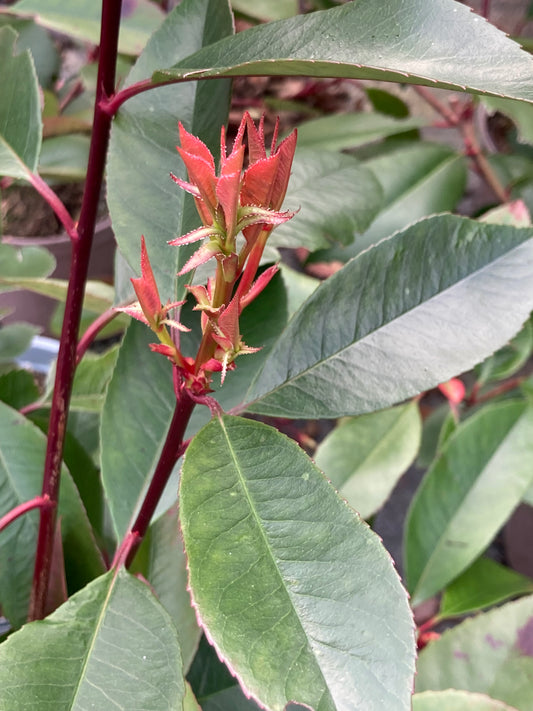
{"points": [[236, 200]]}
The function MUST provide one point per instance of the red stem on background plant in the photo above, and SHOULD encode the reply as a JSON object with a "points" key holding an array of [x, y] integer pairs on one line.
{"points": [[92, 332], [66, 361], [39, 502], [462, 120], [475, 399], [46, 192], [485, 9], [172, 449]]}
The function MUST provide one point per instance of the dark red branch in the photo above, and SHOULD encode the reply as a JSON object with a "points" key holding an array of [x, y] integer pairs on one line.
{"points": [[172, 449], [66, 362]]}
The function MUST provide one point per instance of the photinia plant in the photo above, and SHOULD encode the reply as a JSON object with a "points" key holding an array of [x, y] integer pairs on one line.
{"points": [[164, 544]]}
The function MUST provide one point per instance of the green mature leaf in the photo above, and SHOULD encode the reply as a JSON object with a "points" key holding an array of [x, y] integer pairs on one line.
{"points": [[22, 448], [399, 319], [387, 103], [15, 338], [24, 262], [483, 584], [142, 198], [508, 359], [278, 564], [64, 157], [436, 429], [266, 9], [130, 440], [418, 180], [342, 131], [38, 41], [491, 653], [335, 195], [98, 295], [81, 19], [365, 456], [20, 116], [467, 495], [189, 701], [18, 388], [167, 573], [391, 40], [453, 700], [299, 287], [111, 646]]}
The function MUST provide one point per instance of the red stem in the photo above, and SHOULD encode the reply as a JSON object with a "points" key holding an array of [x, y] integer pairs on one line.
{"points": [[66, 361], [506, 387], [170, 453], [112, 104], [94, 329], [39, 502], [55, 203], [485, 9]]}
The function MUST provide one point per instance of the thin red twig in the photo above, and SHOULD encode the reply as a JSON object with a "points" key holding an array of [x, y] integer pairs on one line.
{"points": [[55, 203], [94, 329], [38, 502]]}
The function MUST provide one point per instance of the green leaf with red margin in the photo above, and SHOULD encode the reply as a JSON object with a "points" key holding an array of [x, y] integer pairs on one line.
{"points": [[390, 40], [399, 319], [278, 564], [112, 645], [481, 475], [491, 654]]}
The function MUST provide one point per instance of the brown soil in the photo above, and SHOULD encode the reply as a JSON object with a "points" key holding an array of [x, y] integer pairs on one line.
{"points": [[24, 212]]}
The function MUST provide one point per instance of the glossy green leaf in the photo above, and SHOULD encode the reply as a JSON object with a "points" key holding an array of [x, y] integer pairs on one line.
{"points": [[142, 198], [391, 40], [365, 456], [130, 441], [81, 19], [266, 9], [64, 157], [335, 195], [18, 388], [453, 700], [41, 45], [22, 448], [508, 359], [111, 646], [189, 701], [483, 584], [20, 116], [436, 428], [467, 495], [418, 180], [15, 338], [167, 573], [342, 131], [491, 653], [399, 319], [278, 564], [387, 103], [24, 262], [299, 287], [98, 295]]}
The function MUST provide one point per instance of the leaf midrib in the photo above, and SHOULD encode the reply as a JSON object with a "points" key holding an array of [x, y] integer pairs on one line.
{"points": [[258, 521]]}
